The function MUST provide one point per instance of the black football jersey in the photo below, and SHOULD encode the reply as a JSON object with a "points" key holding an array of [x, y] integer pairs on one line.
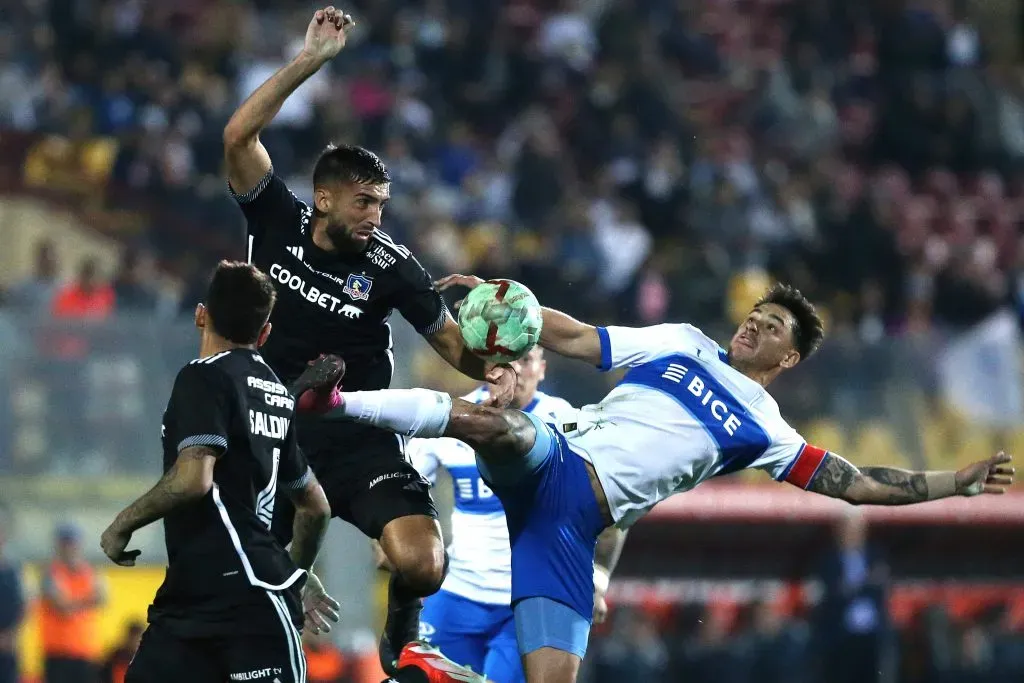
{"points": [[221, 554], [329, 302]]}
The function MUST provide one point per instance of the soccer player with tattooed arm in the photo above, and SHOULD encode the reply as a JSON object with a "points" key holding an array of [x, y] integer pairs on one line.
{"points": [[685, 411], [339, 278]]}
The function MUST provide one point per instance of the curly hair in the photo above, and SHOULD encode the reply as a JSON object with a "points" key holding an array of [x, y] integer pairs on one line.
{"points": [[808, 328]]}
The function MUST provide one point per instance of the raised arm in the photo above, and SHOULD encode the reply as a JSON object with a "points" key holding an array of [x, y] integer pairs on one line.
{"points": [[838, 478], [246, 158]]}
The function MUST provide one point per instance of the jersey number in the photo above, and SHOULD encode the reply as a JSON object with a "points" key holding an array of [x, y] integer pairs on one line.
{"points": [[265, 498]]}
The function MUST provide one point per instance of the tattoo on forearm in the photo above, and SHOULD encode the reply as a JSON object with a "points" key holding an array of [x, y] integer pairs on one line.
{"points": [[835, 477], [170, 492], [307, 534], [907, 487], [871, 485]]}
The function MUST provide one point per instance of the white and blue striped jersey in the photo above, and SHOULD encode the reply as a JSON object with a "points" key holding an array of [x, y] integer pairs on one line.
{"points": [[680, 416], [480, 558]]}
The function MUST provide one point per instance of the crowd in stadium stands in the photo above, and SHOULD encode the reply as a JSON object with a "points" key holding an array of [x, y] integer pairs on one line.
{"points": [[631, 160], [697, 646]]}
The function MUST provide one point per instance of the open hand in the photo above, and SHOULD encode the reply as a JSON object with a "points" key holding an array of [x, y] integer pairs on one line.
{"points": [[113, 541], [987, 476], [319, 608], [327, 33]]}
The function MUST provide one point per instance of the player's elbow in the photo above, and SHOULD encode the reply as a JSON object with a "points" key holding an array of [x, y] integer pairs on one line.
{"points": [[196, 485], [235, 137], [311, 502]]}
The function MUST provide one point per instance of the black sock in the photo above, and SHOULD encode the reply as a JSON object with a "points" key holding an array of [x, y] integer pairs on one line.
{"points": [[400, 593]]}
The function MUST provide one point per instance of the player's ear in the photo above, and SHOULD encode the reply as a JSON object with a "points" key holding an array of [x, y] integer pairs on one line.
{"points": [[790, 359], [200, 316], [264, 333], [321, 200]]}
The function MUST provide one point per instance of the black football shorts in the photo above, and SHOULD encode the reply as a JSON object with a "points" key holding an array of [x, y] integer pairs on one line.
{"points": [[366, 477]]}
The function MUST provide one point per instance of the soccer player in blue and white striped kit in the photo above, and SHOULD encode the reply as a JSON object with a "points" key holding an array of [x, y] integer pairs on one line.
{"points": [[685, 411]]}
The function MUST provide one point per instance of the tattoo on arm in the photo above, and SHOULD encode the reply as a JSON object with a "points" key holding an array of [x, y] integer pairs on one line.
{"points": [[312, 515], [906, 487], [871, 485], [177, 486], [835, 477]]}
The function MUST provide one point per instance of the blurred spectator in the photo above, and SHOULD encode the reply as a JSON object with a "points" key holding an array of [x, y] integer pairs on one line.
{"points": [[133, 285], [324, 661], [853, 620], [35, 293], [87, 297], [12, 605], [116, 664], [72, 593], [773, 644], [634, 651]]}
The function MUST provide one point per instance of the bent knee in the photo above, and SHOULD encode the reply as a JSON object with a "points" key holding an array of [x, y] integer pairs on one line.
{"points": [[491, 431], [422, 567]]}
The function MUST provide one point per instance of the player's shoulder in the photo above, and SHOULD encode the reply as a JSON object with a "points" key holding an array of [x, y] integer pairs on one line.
{"points": [[272, 194], [388, 243], [202, 375], [694, 334], [227, 366]]}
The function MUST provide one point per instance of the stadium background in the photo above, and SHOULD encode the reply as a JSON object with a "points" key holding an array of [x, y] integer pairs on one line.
{"points": [[632, 161]]}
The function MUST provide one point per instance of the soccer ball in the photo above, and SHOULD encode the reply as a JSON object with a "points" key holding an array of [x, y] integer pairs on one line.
{"points": [[500, 321]]}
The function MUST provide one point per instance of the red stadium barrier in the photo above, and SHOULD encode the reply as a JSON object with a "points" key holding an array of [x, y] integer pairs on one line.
{"points": [[782, 503]]}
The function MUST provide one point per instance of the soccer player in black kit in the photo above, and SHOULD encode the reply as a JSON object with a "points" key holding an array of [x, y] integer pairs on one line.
{"points": [[338, 278], [230, 606]]}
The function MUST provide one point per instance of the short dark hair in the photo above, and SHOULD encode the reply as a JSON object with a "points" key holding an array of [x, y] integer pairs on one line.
{"points": [[239, 300], [349, 164], [808, 328]]}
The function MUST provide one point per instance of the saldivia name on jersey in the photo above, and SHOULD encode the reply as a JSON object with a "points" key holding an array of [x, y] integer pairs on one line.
{"points": [[274, 395]]}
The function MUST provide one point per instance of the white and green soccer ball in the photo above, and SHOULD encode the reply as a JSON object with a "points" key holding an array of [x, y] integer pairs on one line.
{"points": [[500, 320]]}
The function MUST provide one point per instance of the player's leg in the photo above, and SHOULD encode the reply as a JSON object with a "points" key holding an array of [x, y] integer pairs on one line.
{"points": [[457, 626], [554, 520], [165, 658], [389, 501], [502, 663], [411, 412]]}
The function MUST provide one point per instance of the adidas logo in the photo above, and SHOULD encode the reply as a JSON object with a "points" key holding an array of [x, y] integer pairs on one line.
{"points": [[297, 252], [413, 486]]}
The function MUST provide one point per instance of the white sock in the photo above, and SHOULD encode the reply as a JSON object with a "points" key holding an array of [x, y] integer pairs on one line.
{"points": [[409, 412]]}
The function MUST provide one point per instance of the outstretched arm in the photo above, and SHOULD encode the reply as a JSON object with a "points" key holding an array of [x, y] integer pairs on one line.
{"points": [[838, 478], [247, 159]]}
